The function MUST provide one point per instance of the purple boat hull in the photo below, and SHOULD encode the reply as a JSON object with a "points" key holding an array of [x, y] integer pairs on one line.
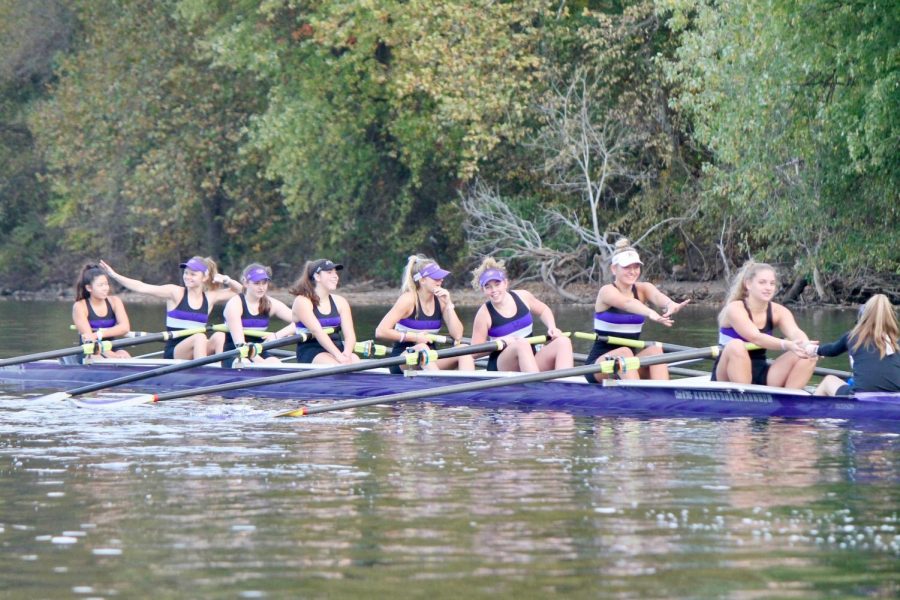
{"points": [[687, 397]]}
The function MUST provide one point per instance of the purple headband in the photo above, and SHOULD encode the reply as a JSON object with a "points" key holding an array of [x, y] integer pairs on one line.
{"points": [[491, 275], [257, 274], [195, 264], [431, 270]]}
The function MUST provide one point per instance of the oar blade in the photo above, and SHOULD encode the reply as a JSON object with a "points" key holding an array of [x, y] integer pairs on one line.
{"points": [[54, 397], [297, 412], [113, 401]]}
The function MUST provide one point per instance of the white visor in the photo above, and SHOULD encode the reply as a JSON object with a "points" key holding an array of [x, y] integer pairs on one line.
{"points": [[629, 257]]}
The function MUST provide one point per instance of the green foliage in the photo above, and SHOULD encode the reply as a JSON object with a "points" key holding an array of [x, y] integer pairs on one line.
{"points": [[799, 102]]}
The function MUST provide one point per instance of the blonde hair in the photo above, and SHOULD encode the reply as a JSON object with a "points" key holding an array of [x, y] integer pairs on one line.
{"points": [[264, 304], [622, 245], [738, 289], [877, 326], [414, 264], [488, 263]]}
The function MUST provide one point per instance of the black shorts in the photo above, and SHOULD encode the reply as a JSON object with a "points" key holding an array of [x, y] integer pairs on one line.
{"points": [[759, 370], [307, 351], [844, 390]]}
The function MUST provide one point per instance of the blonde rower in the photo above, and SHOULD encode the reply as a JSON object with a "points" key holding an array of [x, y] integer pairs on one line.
{"points": [[621, 310], [749, 315], [424, 307], [507, 315]]}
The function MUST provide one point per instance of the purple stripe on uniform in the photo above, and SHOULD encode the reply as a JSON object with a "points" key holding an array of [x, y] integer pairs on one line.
{"points": [[185, 315], [254, 322], [105, 323], [420, 324], [730, 332], [330, 322], [511, 326], [620, 318]]}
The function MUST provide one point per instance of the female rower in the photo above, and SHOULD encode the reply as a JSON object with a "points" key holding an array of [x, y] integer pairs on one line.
{"points": [[750, 316], [507, 315], [252, 309], [189, 306], [874, 352], [424, 307], [315, 308], [96, 314], [621, 309]]}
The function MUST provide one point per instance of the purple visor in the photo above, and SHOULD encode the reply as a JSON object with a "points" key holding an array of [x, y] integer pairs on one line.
{"points": [[257, 274], [195, 264], [491, 275], [431, 270]]}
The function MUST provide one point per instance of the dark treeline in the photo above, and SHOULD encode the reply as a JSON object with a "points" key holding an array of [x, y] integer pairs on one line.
{"points": [[146, 131]]}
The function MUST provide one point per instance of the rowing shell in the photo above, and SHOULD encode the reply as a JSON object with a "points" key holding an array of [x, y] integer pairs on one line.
{"points": [[695, 396]]}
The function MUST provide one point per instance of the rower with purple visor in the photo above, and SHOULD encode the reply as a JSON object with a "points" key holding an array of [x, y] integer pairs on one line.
{"points": [[253, 309], [509, 315], [188, 306], [423, 308]]}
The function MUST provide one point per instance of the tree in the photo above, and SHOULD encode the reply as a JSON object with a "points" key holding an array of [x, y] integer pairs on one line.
{"points": [[798, 102]]}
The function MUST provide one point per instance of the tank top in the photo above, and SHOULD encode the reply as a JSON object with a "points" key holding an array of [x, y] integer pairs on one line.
{"points": [[419, 322], [617, 322], [184, 316], [728, 334], [331, 319], [97, 322], [518, 325]]}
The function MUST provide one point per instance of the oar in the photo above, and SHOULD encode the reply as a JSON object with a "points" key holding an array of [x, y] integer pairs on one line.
{"points": [[102, 346], [410, 358], [617, 341], [179, 366], [607, 366]]}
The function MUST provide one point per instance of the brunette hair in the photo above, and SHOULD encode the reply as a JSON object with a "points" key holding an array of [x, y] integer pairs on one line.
{"points": [[738, 289], [488, 263], [89, 273], [305, 285], [877, 326], [414, 264], [264, 305]]}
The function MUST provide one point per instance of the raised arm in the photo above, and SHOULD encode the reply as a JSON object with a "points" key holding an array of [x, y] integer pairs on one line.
{"points": [[232, 287], [167, 291]]}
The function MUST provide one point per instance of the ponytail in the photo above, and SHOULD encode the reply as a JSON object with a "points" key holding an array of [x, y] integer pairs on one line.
{"points": [[305, 285], [89, 272]]}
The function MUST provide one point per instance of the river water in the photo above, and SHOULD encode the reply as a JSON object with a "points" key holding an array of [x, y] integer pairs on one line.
{"points": [[213, 498]]}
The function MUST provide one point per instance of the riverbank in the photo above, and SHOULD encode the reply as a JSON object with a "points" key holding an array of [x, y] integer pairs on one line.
{"points": [[711, 293]]}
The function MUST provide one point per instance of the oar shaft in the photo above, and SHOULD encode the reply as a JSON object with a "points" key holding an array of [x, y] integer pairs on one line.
{"points": [[312, 373], [493, 383], [630, 343], [181, 366], [80, 349]]}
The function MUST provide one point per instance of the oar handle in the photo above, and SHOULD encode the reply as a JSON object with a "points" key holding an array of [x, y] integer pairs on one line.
{"points": [[604, 366]]}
